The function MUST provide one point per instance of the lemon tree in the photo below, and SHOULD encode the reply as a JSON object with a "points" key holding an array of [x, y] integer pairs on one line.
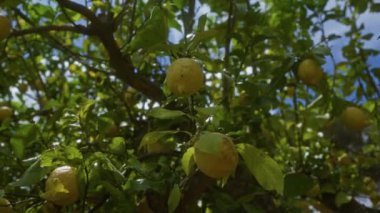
{"points": [[189, 106]]}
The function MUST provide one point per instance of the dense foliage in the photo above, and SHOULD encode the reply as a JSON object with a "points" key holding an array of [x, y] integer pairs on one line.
{"points": [[82, 84]]}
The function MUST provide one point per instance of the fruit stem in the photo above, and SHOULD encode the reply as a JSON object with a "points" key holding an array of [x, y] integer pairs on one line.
{"points": [[192, 113]]}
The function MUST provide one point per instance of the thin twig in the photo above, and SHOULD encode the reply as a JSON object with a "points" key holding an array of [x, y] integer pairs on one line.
{"points": [[225, 79], [298, 130]]}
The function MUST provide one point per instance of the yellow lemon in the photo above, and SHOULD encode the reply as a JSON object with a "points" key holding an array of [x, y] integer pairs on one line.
{"points": [[354, 118], [62, 186], [224, 159], [310, 72], [184, 77]]}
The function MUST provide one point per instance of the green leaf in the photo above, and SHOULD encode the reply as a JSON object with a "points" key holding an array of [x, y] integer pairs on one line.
{"points": [[297, 184], [52, 104], [72, 154], [174, 198], [117, 145], [209, 111], [266, 171], [203, 36], [162, 113], [86, 107], [32, 175], [117, 196], [179, 3], [154, 137], [202, 23], [342, 198], [321, 50], [18, 147], [154, 31], [60, 156], [210, 142], [375, 7], [10, 3], [188, 160], [25, 135]]}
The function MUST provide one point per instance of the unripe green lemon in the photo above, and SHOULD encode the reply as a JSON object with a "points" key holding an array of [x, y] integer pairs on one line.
{"points": [[354, 118], [62, 186], [184, 77], [310, 72], [5, 27], [224, 159]]}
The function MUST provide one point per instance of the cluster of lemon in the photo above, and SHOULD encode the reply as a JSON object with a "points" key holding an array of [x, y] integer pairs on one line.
{"points": [[310, 72], [185, 78]]}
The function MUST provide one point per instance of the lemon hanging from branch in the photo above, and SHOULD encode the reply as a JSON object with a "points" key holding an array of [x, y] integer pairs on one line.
{"points": [[215, 155], [310, 72], [61, 187], [184, 77]]}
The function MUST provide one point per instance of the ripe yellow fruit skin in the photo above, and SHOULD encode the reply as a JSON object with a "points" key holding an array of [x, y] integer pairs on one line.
{"points": [[5, 27], [310, 72], [354, 118], [5, 113], [5, 206], [184, 77], [219, 165], [66, 176]]}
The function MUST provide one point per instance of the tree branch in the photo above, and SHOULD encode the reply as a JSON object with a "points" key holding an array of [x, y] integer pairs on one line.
{"points": [[44, 29], [193, 188], [227, 88], [79, 9], [124, 68], [122, 64]]}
